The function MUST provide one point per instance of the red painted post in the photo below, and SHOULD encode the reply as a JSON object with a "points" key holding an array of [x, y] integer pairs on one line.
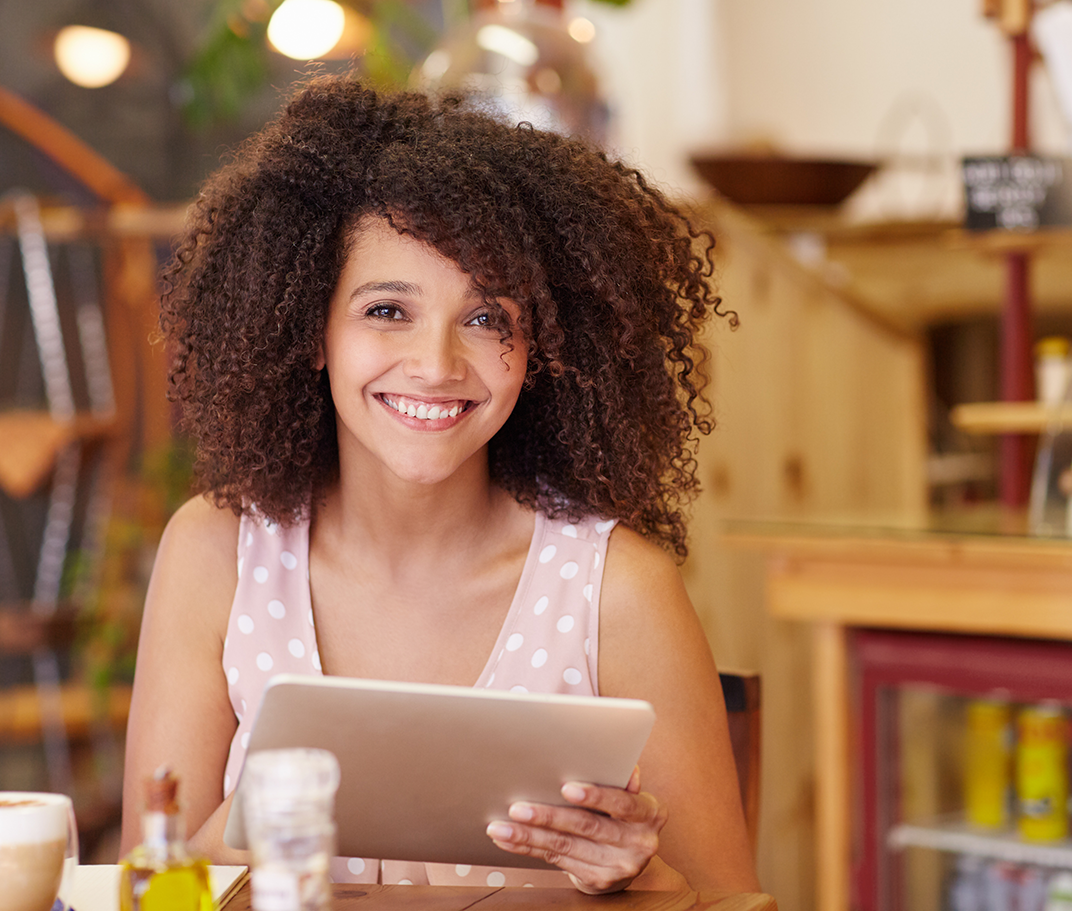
{"points": [[1017, 331]]}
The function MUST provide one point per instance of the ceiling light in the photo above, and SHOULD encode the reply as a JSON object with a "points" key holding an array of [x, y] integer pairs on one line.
{"points": [[581, 29], [306, 29], [91, 57], [510, 43]]}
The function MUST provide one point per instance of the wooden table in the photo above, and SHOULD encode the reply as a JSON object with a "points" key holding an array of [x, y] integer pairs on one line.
{"points": [[463, 898], [941, 579]]}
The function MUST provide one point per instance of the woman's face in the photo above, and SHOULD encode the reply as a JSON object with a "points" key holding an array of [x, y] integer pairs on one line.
{"points": [[420, 376]]}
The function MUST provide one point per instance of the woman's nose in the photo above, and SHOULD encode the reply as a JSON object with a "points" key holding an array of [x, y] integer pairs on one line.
{"points": [[435, 358]]}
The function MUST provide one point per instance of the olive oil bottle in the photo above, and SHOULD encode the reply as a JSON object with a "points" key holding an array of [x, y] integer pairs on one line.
{"points": [[159, 875]]}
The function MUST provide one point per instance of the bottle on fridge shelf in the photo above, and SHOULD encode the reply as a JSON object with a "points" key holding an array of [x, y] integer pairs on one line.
{"points": [[1059, 892], [1034, 883], [1042, 772], [1001, 886], [988, 762], [968, 885]]}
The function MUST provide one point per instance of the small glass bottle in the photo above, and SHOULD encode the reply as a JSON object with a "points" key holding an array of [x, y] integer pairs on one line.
{"points": [[159, 875]]}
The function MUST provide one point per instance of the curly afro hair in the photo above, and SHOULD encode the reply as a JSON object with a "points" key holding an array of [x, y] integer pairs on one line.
{"points": [[612, 279]]}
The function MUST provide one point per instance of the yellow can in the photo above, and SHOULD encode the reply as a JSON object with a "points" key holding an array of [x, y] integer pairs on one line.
{"points": [[1042, 772], [988, 763]]}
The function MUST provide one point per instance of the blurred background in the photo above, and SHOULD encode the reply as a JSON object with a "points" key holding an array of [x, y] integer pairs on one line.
{"points": [[865, 320]]}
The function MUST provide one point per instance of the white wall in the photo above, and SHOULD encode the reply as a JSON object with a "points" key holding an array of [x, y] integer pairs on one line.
{"points": [[861, 78]]}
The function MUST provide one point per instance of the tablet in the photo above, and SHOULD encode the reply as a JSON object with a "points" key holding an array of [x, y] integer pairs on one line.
{"points": [[425, 768]]}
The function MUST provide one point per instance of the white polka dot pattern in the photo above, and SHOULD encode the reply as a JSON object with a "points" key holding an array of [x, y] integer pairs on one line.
{"points": [[547, 644]]}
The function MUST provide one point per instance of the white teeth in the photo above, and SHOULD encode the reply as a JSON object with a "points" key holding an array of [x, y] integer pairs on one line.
{"points": [[425, 412]]}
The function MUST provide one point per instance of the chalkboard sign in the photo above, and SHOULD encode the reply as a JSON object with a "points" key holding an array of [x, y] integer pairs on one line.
{"points": [[1017, 192]]}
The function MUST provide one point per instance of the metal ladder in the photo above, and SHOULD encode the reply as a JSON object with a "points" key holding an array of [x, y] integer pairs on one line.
{"points": [[70, 476]]}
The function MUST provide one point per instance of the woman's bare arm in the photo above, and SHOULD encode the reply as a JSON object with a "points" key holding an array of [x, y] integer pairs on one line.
{"points": [[652, 646], [180, 715]]}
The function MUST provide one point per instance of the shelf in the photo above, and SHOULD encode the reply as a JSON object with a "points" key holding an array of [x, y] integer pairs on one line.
{"points": [[33, 439], [1002, 242], [1008, 417], [956, 836], [908, 275], [82, 707]]}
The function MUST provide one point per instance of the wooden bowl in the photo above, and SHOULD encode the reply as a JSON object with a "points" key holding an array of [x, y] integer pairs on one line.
{"points": [[777, 180]]}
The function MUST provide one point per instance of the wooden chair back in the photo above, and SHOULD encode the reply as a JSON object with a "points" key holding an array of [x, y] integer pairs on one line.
{"points": [[741, 692]]}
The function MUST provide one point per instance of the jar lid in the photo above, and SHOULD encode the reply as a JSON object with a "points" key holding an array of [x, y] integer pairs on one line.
{"points": [[1052, 346], [292, 775]]}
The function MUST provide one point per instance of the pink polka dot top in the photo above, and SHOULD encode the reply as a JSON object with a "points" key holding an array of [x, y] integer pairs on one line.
{"points": [[548, 644]]}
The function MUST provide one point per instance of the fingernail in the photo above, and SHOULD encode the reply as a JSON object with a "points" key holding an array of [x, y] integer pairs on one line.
{"points": [[573, 792], [500, 830], [522, 812]]}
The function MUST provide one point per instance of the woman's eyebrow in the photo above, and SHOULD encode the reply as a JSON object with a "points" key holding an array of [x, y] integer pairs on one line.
{"points": [[399, 286], [391, 286]]}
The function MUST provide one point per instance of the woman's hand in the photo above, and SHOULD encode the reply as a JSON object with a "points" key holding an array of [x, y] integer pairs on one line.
{"points": [[603, 844]]}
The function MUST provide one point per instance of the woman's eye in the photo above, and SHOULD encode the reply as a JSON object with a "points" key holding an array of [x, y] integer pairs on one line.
{"points": [[385, 311], [486, 319]]}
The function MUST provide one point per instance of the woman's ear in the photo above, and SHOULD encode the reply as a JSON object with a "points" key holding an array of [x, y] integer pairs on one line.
{"points": [[320, 362]]}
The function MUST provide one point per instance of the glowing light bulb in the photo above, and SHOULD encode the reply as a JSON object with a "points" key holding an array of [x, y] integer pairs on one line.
{"points": [[91, 57], [582, 30], [306, 29], [509, 42]]}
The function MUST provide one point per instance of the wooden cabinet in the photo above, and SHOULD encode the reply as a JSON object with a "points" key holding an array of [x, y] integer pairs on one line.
{"points": [[822, 399]]}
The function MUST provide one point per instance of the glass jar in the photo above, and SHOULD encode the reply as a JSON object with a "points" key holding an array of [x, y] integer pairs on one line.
{"points": [[289, 804]]}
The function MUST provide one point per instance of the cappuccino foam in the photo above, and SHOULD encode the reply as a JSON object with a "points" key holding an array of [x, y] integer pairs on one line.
{"points": [[27, 817]]}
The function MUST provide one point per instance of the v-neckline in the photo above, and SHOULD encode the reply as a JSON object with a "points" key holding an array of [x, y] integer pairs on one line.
{"points": [[483, 681]]}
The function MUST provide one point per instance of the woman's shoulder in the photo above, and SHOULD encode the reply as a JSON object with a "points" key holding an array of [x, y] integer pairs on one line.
{"points": [[644, 609], [635, 562], [200, 534], [194, 575], [200, 518]]}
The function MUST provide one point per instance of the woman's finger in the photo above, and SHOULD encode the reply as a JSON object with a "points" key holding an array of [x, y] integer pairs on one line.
{"points": [[625, 805]]}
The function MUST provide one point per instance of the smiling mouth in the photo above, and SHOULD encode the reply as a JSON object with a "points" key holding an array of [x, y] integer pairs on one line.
{"points": [[424, 411]]}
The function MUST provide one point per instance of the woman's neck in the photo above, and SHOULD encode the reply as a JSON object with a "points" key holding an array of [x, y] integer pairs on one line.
{"points": [[411, 523]]}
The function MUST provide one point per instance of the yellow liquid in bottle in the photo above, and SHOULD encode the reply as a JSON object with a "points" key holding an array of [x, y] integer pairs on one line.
{"points": [[174, 885]]}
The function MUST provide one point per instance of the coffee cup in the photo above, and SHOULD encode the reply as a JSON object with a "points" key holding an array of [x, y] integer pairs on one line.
{"points": [[38, 849]]}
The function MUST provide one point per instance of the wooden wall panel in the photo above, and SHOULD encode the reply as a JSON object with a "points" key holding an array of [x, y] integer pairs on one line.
{"points": [[821, 414]]}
